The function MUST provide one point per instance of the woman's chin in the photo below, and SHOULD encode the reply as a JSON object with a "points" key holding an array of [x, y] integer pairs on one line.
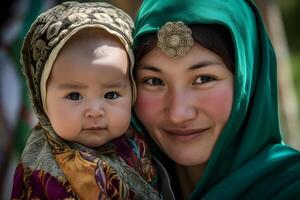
{"points": [[189, 160]]}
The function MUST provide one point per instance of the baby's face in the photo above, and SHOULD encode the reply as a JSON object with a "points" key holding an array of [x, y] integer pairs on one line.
{"points": [[89, 93]]}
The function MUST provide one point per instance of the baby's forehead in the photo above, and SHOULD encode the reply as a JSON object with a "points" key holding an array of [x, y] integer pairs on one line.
{"points": [[93, 36]]}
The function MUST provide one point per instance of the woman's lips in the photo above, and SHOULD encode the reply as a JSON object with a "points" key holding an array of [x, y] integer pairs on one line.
{"points": [[185, 134]]}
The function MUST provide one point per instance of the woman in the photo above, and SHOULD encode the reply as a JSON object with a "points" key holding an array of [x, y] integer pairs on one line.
{"points": [[207, 96]]}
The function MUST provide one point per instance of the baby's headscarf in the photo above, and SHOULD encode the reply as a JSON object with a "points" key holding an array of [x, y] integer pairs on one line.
{"points": [[45, 150], [52, 29]]}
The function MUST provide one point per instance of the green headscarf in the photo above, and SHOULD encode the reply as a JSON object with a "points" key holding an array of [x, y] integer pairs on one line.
{"points": [[249, 159]]}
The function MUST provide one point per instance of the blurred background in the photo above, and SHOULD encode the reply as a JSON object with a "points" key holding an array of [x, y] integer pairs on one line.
{"points": [[281, 18]]}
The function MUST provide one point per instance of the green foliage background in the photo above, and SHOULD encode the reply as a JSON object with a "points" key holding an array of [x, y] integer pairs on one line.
{"points": [[291, 17]]}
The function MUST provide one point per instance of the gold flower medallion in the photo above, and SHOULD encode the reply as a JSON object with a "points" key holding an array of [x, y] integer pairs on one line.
{"points": [[175, 39]]}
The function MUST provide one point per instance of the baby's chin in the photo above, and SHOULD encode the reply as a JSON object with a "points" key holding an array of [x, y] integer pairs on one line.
{"points": [[94, 144]]}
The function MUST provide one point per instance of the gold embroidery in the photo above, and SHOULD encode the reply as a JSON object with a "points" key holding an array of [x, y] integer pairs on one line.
{"points": [[175, 39]]}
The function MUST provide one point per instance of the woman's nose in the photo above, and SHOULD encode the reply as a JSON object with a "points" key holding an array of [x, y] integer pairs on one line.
{"points": [[95, 109], [180, 107]]}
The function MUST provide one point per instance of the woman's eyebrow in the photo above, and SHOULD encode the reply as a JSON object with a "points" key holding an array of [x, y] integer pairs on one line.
{"points": [[148, 67], [193, 67], [204, 64]]}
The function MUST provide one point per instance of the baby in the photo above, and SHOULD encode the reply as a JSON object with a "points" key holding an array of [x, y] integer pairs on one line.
{"points": [[78, 61]]}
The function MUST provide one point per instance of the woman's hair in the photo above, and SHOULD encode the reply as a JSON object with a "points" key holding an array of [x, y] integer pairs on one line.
{"points": [[214, 37]]}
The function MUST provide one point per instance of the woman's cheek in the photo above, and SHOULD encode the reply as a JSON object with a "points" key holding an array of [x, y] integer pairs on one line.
{"points": [[147, 107], [218, 104]]}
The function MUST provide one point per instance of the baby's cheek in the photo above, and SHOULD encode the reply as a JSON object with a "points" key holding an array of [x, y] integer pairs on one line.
{"points": [[67, 124]]}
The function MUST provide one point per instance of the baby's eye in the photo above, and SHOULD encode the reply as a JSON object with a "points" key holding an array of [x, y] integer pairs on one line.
{"points": [[111, 95], [204, 79], [154, 81], [74, 96]]}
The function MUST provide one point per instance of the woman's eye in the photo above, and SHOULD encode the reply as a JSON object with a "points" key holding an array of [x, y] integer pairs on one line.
{"points": [[204, 79], [154, 81], [74, 96], [111, 95]]}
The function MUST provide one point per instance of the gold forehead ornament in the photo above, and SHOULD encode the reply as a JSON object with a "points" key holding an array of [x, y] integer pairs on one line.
{"points": [[175, 39]]}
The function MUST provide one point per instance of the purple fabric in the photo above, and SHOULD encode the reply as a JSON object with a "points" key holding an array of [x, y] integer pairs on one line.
{"points": [[41, 185]]}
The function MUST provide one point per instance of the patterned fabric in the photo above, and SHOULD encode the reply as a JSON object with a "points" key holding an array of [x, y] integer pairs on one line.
{"points": [[52, 168], [27, 118], [117, 172], [39, 185]]}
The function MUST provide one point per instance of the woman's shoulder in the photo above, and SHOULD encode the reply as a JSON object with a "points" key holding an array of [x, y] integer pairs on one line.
{"points": [[278, 173], [273, 173]]}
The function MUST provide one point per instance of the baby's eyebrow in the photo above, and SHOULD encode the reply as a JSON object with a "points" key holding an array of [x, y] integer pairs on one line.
{"points": [[115, 84], [72, 86]]}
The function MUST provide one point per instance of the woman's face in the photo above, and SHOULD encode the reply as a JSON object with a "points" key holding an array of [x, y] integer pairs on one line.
{"points": [[184, 102]]}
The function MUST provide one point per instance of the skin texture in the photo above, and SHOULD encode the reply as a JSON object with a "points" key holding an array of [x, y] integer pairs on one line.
{"points": [[88, 91], [184, 104]]}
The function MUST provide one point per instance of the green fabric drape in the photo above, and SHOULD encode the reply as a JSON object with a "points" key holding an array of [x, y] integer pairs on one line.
{"points": [[250, 159]]}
